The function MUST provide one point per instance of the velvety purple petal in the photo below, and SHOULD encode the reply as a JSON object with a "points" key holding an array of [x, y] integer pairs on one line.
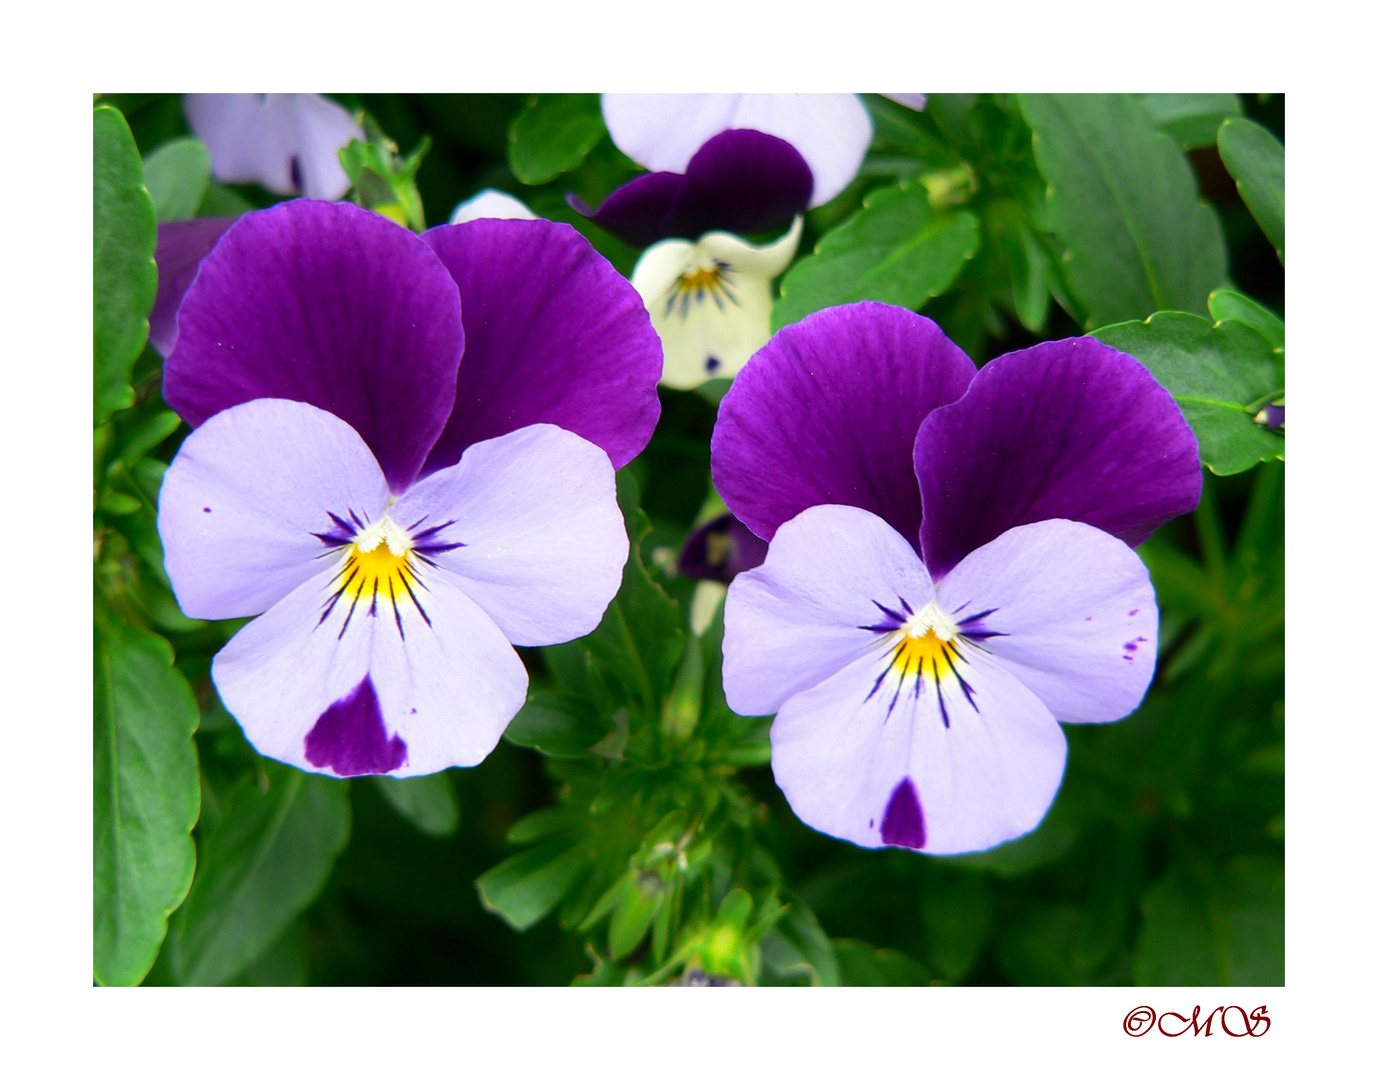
{"points": [[740, 182], [328, 304], [1067, 429], [348, 688], [827, 412], [181, 247], [945, 766], [529, 526], [721, 549], [830, 574], [249, 496], [1068, 610], [554, 335], [636, 211]]}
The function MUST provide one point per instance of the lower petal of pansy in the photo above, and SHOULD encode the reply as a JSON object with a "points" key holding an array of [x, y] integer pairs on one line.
{"points": [[529, 524], [834, 578], [1068, 609], [376, 665], [921, 746], [255, 498], [710, 301]]}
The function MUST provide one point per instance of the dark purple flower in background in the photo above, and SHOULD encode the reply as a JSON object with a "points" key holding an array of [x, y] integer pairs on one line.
{"points": [[949, 574], [403, 465], [720, 549]]}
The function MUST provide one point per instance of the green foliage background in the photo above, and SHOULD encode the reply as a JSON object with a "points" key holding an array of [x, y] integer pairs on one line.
{"points": [[628, 829]]}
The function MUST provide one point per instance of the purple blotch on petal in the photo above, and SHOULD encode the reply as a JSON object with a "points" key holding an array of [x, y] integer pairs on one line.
{"points": [[721, 549], [181, 247], [350, 739], [902, 824]]}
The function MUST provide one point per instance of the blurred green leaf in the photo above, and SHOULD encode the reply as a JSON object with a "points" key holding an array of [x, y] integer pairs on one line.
{"points": [[552, 135], [283, 964], [263, 864], [896, 249], [860, 964], [1123, 202], [797, 945], [220, 201], [558, 725], [177, 175], [1226, 304], [954, 910], [1220, 376], [526, 887], [639, 903], [1191, 119], [146, 799], [126, 279], [1256, 161], [428, 802]]}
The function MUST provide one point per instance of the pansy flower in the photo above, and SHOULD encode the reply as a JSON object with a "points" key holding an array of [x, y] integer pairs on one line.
{"points": [[724, 166], [402, 463], [287, 143], [490, 203], [949, 574]]}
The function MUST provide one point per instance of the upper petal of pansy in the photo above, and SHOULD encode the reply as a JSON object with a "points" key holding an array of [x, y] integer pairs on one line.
{"points": [[328, 304], [251, 494], [181, 247], [490, 203], [947, 763], [1067, 429], [664, 131], [356, 684], [1067, 609], [829, 575], [740, 182], [636, 211], [710, 301], [529, 526], [553, 334], [827, 413]]}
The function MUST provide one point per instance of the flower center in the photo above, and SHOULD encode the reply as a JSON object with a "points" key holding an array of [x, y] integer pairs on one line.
{"points": [[704, 278], [377, 568], [927, 645]]}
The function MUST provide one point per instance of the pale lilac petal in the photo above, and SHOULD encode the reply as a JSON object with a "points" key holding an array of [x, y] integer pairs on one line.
{"points": [[490, 203], [1067, 429], [328, 304], [864, 757], [349, 694], [909, 101], [662, 132], [323, 129], [802, 615], [827, 412], [246, 500], [1071, 614], [529, 525]]}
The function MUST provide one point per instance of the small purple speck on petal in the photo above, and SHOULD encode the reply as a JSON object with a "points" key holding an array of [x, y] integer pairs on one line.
{"points": [[1131, 646], [902, 824], [350, 739], [713, 363], [205, 509], [1131, 614]]}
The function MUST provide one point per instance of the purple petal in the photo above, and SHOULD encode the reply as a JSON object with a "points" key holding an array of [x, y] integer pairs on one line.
{"points": [[740, 182], [1065, 608], [636, 211], [181, 247], [553, 335], [350, 740], [1067, 429], [248, 500], [328, 304], [827, 412], [721, 549]]}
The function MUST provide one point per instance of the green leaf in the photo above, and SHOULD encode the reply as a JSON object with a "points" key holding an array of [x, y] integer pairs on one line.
{"points": [[220, 201], [1219, 374], [639, 640], [177, 175], [147, 797], [552, 135], [261, 867], [557, 725], [1256, 161], [798, 945], [1191, 119], [126, 279], [954, 911], [640, 901], [860, 964], [895, 249], [428, 802], [1226, 304], [1123, 202], [526, 887]]}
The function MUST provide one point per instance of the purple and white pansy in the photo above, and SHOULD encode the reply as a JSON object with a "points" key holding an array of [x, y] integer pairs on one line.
{"points": [[949, 574], [287, 143], [724, 166], [401, 484]]}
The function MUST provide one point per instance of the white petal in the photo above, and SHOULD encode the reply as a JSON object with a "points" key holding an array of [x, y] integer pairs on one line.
{"points": [[490, 203], [543, 539], [661, 132], [909, 101]]}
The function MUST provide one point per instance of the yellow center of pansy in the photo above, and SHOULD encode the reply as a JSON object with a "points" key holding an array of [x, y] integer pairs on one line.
{"points": [[377, 569]]}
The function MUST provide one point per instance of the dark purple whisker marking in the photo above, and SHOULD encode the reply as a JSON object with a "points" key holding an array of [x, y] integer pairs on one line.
{"points": [[407, 585], [396, 614], [350, 739], [902, 823]]}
